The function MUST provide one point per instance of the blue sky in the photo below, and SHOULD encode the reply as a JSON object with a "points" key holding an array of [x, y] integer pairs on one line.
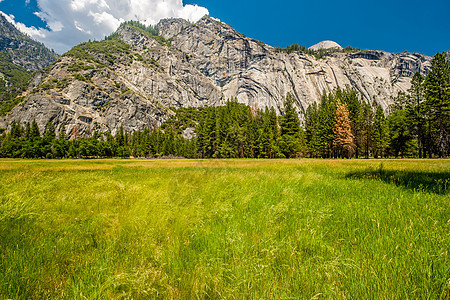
{"points": [[390, 25], [393, 26], [23, 11]]}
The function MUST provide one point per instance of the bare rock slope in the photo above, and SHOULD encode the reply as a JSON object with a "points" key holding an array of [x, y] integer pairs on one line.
{"points": [[23, 50], [135, 79]]}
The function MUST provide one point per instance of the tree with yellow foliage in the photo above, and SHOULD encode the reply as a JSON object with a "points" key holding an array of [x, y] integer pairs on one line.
{"points": [[343, 145]]}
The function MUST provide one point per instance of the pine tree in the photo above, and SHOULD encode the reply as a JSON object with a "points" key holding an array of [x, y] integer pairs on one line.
{"points": [[380, 133], [289, 122], [34, 133], [272, 124], [311, 123], [400, 136], [49, 137], [61, 145], [27, 131], [416, 111], [437, 92], [16, 130], [343, 145], [290, 127], [325, 125], [49, 132], [365, 128], [401, 139], [62, 132]]}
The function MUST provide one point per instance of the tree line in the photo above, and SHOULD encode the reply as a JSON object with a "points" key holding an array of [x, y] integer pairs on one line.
{"points": [[417, 124], [341, 125], [230, 131]]}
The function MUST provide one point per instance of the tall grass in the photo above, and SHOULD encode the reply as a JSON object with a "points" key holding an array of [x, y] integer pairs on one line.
{"points": [[287, 229]]}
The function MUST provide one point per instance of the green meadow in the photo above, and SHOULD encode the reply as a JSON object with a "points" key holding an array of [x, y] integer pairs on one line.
{"points": [[225, 229]]}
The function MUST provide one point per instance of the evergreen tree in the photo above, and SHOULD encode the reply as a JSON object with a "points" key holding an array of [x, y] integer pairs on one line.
{"points": [[289, 140], [49, 131], [311, 124], [437, 92], [61, 145], [325, 125], [62, 132], [16, 130], [27, 131], [365, 129], [120, 137], [35, 130], [380, 135], [48, 139], [289, 122], [400, 136], [416, 110]]}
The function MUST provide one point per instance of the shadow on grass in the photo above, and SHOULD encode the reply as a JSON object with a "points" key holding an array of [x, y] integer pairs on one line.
{"points": [[432, 182]]}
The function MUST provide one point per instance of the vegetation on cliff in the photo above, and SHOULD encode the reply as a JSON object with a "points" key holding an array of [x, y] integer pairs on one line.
{"points": [[341, 125], [13, 81], [101, 52], [320, 53]]}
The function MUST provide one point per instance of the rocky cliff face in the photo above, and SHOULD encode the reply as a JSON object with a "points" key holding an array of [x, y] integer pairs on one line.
{"points": [[259, 75], [447, 55], [135, 79], [23, 50]]}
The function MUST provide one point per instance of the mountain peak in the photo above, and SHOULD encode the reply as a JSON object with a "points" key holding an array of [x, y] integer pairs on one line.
{"points": [[168, 28], [325, 45], [23, 50]]}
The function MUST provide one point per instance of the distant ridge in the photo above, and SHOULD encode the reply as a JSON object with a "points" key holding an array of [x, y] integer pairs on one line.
{"points": [[23, 50]]}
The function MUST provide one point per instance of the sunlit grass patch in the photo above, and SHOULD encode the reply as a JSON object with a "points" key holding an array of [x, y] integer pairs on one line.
{"points": [[223, 229]]}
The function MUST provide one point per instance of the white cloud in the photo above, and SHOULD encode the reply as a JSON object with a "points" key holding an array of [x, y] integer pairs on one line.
{"points": [[31, 31], [71, 22]]}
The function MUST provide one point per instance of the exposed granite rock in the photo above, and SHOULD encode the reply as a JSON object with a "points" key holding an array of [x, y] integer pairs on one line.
{"points": [[447, 55], [189, 133], [258, 75], [325, 45], [201, 64]]}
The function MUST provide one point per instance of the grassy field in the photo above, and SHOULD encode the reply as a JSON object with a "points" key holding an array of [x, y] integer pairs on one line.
{"points": [[233, 229]]}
